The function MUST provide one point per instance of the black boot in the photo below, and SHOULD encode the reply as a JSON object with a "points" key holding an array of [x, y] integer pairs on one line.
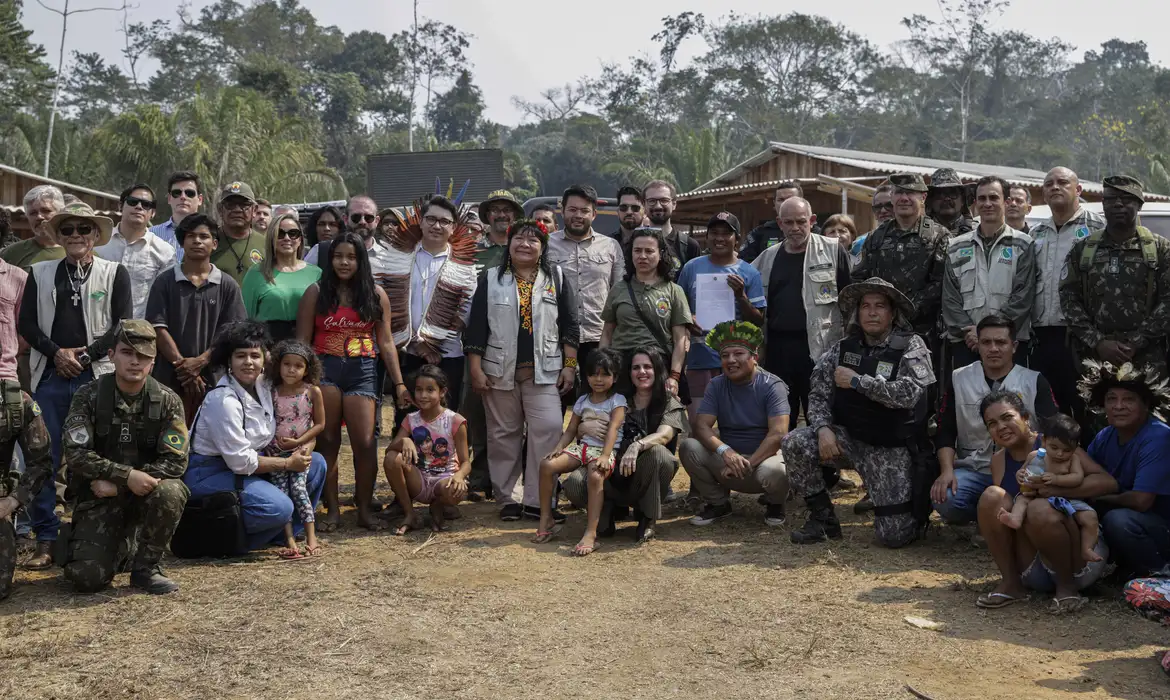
{"points": [[151, 580], [822, 522]]}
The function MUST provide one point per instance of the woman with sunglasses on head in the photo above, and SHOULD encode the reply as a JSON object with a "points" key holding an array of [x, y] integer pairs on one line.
{"points": [[273, 289], [346, 318]]}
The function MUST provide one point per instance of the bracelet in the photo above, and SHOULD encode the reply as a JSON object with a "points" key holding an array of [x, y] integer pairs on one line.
{"points": [[675, 375], [399, 384], [570, 362], [722, 448]]}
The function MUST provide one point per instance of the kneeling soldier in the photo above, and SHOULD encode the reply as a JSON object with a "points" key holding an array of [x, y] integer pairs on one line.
{"points": [[20, 422]]}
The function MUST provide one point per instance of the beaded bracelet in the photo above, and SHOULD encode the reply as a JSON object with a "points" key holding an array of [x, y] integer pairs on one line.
{"points": [[570, 362]]}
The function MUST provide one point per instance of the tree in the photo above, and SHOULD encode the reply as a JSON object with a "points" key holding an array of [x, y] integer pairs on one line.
{"points": [[455, 115], [25, 78], [435, 53]]}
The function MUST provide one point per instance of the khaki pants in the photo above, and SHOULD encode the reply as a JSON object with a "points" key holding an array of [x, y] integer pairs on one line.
{"points": [[706, 471], [539, 407]]}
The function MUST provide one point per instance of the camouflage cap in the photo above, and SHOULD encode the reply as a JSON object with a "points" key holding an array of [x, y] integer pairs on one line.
{"points": [[237, 189], [1127, 184], [945, 177], [727, 219], [908, 181], [139, 335], [499, 196]]}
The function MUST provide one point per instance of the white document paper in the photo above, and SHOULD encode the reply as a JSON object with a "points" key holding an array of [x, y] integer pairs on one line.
{"points": [[714, 300]]}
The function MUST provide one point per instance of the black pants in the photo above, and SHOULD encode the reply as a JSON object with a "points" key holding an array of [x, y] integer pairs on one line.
{"points": [[1054, 357], [451, 366], [786, 356]]}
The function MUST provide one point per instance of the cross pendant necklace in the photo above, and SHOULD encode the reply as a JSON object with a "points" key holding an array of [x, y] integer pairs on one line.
{"points": [[76, 297]]}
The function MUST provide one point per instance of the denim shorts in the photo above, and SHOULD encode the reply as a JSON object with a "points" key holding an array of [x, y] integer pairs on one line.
{"points": [[353, 376]]}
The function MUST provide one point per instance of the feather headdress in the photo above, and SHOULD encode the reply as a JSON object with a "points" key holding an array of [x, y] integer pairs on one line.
{"points": [[443, 315], [1100, 377], [740, 333]]}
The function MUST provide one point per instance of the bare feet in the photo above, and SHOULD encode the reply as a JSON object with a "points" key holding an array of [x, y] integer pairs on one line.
{"points": [[1090, 554], [1010, 519], [370, 521], [438, 522], [330, 522], [410, 522]]}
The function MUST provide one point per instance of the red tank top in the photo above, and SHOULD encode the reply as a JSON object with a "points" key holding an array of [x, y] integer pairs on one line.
{"points": [[343, 333]]}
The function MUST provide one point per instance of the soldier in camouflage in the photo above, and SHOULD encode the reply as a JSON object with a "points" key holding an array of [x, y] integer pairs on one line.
{"points": [[1115, 286], [126, 440], [908, 251], [20, 422], [865, 411], [946, 202]]}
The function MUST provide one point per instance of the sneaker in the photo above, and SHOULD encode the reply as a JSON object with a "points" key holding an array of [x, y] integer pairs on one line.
{"points": [[511, 512], [710, 514], [152, 581], [533, 513], [774, 516]]}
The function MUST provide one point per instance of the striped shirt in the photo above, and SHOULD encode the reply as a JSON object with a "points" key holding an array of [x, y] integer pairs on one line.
{"points": [[12, 281]]}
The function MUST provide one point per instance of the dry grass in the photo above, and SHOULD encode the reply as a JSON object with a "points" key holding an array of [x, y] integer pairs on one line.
{"points": [[729, 611]]}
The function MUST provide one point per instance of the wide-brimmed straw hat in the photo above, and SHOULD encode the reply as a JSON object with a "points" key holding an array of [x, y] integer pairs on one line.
{"points": [[81, 210]]}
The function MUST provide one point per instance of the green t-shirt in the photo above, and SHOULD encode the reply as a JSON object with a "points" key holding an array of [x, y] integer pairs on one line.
{"points": [[664, 304], [492, 256], [236, 256], [277, 301], [28, 252]]}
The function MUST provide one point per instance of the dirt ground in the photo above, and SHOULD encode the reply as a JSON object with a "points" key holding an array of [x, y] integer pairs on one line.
{"points": [[728, 611]]}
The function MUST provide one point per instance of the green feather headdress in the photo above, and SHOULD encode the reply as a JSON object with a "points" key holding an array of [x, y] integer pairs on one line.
{"points": [[735, 333], [1100, 377]]}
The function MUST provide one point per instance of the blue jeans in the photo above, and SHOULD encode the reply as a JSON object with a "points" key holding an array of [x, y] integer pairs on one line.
{"points": [[266, 508], [1140, 541], [962, 506], [53, 395]]}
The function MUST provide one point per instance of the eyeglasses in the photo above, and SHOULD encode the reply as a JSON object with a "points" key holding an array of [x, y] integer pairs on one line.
{"points": [[235, 205], [662, 200], [79, 230], [290, 233], [436, 221], [879, 207], [139, 201], [191, 194], [358, 218], [630, 207]]}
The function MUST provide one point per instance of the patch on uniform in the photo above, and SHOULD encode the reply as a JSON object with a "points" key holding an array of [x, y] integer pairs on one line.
{"points": [[79, 435], [852, 358], [827, 292], [885, 369], [966, 252], [175, 439], [662, 308], [1082, 232], [1064, 273], [98, 295], [256, 256], [1006, 254], [919, 369], [36, 409]]}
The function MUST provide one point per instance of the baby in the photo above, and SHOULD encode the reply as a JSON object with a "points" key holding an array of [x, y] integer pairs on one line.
{"points": [[1062, 468]]}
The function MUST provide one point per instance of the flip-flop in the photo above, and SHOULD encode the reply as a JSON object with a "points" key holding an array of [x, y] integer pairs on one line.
{"points": [[313, 551], [586, 551], [288, 554], [543, 536], [1067, 604], [992, 601]]}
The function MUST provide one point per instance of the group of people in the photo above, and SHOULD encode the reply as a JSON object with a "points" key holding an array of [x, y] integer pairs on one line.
{"points": [[940, 356]]}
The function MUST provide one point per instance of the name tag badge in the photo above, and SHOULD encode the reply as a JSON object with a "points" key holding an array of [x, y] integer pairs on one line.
{"points": [[1114, 265], [853, 359], [885, 369]]}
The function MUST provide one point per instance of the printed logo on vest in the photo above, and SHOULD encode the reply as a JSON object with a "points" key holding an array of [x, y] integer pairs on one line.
{"points": [[256, 256], [662, 308], [852, 359], [885, 369]]}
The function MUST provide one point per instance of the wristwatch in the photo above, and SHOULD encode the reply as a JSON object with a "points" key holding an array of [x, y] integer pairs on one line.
{"points": [[855, 382]]}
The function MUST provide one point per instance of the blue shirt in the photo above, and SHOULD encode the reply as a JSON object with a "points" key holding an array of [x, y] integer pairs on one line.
{"points": [[1142, 464], [701, 356], [166, 231], [742, 411]]}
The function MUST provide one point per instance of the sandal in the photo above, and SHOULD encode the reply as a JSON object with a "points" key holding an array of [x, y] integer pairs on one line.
{"points": [[289, 554], [543, 536], [314, 551], [996, 600], [1067, 604], [583, 551], [406, 527], [645, 531]]}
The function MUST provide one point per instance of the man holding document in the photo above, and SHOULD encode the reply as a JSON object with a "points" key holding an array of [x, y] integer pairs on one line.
{"points": [[720, 287], [801, 277]]}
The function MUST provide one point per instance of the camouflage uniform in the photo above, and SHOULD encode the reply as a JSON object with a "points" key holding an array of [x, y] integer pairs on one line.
{"points": [[947, 178], [20, 422], [146, 432], [1112, 300], [913, 261]]}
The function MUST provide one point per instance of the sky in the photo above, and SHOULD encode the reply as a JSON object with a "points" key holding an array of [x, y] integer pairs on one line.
{"points": [[523, 47]]}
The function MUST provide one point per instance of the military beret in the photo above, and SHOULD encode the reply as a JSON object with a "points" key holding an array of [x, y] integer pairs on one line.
{"points": [[908, 181], [139, 335], [1127, 184]]}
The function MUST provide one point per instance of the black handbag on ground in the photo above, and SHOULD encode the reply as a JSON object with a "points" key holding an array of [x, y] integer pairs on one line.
{"points": [[213, 525]]}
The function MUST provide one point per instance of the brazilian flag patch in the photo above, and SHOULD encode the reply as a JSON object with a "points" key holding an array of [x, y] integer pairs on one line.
{"points": [[175, 439], [36, 409]]}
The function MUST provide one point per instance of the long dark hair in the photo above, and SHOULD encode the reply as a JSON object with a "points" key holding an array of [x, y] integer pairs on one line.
{"points": [[310, 238], [364, 298], [665, 258], [516, 228], [657, 394]]}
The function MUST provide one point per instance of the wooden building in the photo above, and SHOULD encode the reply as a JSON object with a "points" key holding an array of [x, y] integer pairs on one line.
{"points": [[834, 181], [14, 184]]}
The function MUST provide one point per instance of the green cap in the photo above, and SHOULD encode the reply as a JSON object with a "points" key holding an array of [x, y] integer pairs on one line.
{"points": [[500, 196], [908, 181], [1127, 184], [139, 335], [237, 189]]}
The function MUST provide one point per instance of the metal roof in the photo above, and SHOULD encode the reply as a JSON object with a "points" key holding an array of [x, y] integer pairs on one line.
{"points": [[888, 163], [56, 183]]}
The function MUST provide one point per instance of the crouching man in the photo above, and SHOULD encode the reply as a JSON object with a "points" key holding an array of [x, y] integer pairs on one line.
{"points": [[865, 411]]}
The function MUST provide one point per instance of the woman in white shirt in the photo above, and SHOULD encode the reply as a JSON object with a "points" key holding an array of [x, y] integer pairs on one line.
{"points": [[234, 425]]}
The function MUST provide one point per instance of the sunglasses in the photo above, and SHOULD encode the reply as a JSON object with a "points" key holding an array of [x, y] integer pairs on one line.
{"points": [[879, 207], [359, 218], [137, 201], [79, 229], [630, 207], [191, 194], [291, 233]]}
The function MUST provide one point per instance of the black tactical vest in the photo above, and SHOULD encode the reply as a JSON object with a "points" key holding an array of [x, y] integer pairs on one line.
{"points": [[865, 419], [128, 439]]}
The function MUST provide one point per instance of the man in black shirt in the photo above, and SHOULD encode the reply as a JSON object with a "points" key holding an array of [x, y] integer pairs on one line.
{"points": [[658, 196], [69, 317], [771, 232]]}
